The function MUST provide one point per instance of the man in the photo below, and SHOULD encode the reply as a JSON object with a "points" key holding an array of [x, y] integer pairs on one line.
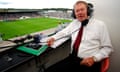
{"points": [[94, 46]]}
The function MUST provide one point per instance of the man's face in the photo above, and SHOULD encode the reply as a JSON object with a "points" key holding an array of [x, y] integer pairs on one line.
{"points": [[81, 11]]}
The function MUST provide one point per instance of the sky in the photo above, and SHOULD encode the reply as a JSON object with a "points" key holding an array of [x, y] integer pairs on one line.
{"points": [[37, 4]]}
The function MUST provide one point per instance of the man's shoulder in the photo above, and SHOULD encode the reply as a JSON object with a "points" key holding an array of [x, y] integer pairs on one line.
{"points": [[99, 22]]}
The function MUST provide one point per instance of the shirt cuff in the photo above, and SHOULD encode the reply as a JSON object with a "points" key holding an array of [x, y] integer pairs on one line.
{"points": [[97, 57]]}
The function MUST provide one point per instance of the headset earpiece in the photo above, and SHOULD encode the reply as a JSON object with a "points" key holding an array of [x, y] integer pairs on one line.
{"points": [[90, 9], [73, 14]]}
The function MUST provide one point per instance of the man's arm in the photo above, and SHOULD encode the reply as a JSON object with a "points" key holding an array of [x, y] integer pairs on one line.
{"points": [[106, 46], [65, 32]]}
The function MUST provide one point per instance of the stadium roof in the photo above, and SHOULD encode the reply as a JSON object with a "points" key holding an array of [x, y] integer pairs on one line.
{"points": [[36, 4]]}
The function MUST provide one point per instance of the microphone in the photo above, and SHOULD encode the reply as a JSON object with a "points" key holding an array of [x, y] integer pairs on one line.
{"points": [[85, 22]]}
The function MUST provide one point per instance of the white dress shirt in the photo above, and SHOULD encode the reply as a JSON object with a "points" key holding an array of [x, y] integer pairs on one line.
{"points": [[95, 40]]}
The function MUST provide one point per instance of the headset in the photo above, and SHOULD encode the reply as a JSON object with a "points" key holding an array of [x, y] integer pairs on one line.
{"points": [[89, 11]]}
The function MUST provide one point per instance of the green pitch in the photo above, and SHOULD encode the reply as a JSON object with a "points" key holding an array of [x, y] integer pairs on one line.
{"points": [[15, 28]]}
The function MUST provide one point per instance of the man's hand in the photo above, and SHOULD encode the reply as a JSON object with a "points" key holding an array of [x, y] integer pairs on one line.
{"points": [[50, 41], [87, 61]]}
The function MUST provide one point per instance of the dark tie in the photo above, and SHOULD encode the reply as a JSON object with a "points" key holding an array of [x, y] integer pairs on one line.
{"points": [[78, 38]]}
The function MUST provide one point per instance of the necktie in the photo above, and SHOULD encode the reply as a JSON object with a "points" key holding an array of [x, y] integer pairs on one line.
{"points": [[77, 41], [78, 38]]}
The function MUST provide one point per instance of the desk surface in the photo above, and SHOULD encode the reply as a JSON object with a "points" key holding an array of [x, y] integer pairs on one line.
{"points": [[12, 59], [19, 58], [5, 43]]}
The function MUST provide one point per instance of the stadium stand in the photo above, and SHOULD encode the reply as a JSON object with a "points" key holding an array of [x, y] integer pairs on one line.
{"points": [[58, 14], [14, 15]]}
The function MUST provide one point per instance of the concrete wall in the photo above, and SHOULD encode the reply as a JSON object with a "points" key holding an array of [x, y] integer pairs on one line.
{"points": [[45, 60]]}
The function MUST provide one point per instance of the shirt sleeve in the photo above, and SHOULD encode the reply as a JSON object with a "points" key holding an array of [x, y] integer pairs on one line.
{"points": [[105, 42], [65, 32]]}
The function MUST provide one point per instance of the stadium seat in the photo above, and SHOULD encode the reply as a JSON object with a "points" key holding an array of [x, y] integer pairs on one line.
{"points": [[105, 65]]}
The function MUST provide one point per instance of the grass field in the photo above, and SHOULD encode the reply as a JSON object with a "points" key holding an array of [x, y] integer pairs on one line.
{"points": [[15, 28]]}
